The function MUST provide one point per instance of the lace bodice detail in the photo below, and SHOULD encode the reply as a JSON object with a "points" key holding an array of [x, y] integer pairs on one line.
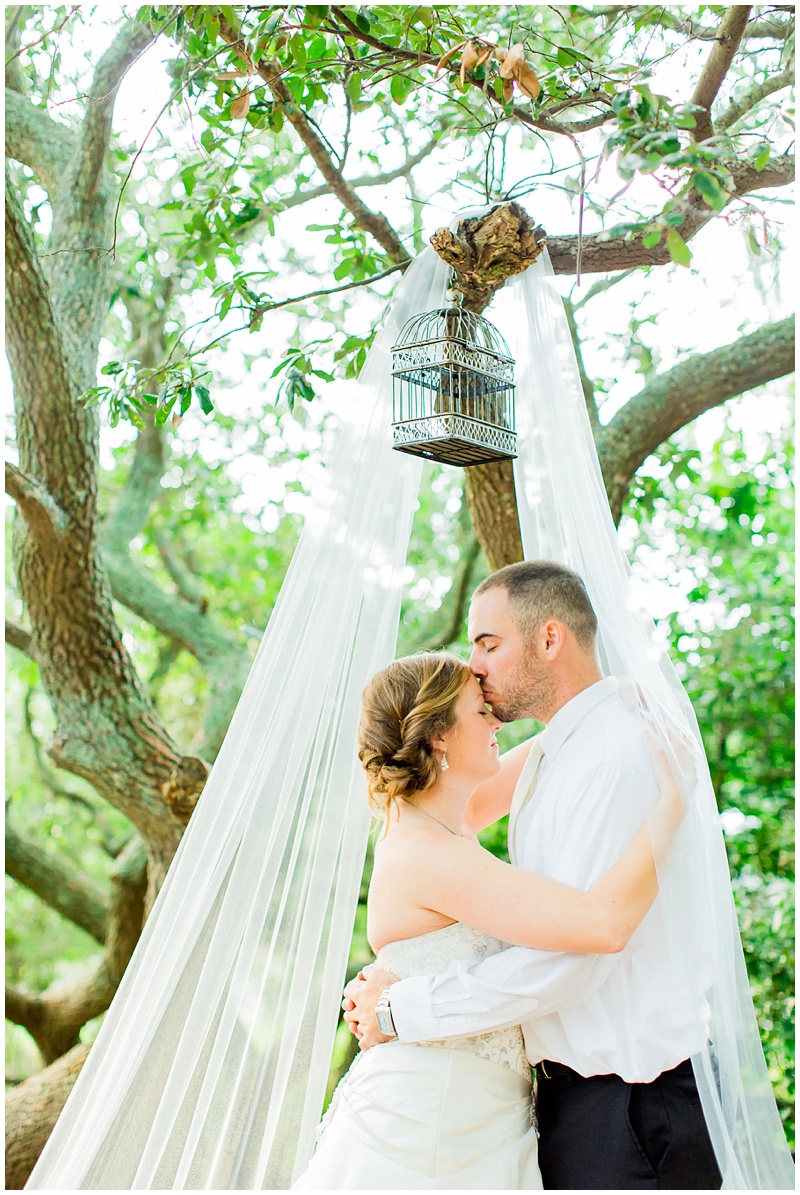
{"points": [[430, 953]]}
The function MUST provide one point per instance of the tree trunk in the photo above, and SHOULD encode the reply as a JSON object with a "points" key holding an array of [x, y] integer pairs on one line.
{"points": [[32, 1110]]}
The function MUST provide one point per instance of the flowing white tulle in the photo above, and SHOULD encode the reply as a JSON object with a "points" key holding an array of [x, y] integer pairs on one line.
{"points": [[210, 1069], [565, 516]]}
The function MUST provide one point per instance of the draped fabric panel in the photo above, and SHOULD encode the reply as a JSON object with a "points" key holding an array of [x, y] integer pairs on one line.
{"points": [[564, 515], [210, 1069]]}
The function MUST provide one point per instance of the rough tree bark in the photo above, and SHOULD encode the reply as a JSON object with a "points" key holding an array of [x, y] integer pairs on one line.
{"points": [[107, 729]]}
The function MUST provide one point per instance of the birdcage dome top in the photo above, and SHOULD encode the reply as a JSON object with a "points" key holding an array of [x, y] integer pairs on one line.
{"points": [[454, 324]]}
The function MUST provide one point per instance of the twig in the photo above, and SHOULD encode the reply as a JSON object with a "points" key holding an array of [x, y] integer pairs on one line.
{"points": [[729, 35]]}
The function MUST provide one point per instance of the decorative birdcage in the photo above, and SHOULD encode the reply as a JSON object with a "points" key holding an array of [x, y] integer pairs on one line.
{"points": [[453, 388]]}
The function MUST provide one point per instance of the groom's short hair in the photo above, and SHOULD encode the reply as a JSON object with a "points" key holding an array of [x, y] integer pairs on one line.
{"points": [[542, 589]]}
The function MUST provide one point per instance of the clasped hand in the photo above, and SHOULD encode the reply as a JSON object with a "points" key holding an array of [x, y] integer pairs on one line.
{"points": [[359, 1000]]}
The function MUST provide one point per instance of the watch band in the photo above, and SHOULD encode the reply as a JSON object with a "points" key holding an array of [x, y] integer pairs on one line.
{"points": [[383, 1014]]}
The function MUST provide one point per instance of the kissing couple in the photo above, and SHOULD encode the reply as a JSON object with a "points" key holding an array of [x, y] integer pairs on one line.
{"points": [[521, 1027]]}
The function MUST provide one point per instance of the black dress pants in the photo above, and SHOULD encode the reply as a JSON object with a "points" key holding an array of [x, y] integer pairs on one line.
{"points": [[603, 1134]]}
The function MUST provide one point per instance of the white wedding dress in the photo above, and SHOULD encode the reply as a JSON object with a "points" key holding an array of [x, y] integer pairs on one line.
{"points": [[448, 1115]]}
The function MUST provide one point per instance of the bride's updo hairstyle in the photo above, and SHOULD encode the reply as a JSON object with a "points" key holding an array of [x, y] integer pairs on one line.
{"points": [[403, 709]]}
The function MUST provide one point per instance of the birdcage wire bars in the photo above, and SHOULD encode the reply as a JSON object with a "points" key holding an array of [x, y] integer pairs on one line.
{"points": [[453, 388]]}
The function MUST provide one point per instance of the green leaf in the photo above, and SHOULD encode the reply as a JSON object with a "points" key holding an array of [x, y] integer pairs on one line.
{"points": [[753, 242], [204, 398], [674, 219], [400, 88], [651, 239], [273, 22], [762, 157], [711, 191], [363, 22], [353, 88], [679, 251], [298, 48]]}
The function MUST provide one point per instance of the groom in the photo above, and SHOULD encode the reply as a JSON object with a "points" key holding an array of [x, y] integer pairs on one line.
{"points": [[617, 1103]]}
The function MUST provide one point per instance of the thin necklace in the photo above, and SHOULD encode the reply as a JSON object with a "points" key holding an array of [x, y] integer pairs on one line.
{"points": [[432, 818]]}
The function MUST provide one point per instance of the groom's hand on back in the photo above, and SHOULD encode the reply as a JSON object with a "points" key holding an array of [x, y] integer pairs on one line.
{"points": [[360, 997]]}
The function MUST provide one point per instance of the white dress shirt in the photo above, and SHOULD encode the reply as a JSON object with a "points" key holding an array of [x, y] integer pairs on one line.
{"points": [[621, 1013]]}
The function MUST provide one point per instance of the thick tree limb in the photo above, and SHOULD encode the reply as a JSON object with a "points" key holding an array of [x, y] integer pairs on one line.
{"points": [[18, 637], [128, 45], [677, 396], [606, 253], [38, 141], [32, 1110], [54, 1018], [42, 514], [56, 882], [726, 43]]}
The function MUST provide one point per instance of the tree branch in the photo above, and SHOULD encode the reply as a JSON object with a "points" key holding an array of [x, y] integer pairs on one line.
{"points": [[726, 43], [544, 120], [141, 489], [55, 1017], [372, 222], [363, 180], [605, 252], [48, 776], [586, 384], [36, 140], [461, 593], [676, 397], [739, 108], [222, 657], [263, 308], [775, 29], [40, 511], [128, 45], [32, 1110], [59, 884], [15, 15], [18, 637]]}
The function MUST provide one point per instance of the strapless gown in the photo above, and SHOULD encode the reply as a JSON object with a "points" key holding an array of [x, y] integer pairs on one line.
{"points": [[446, 1115]]}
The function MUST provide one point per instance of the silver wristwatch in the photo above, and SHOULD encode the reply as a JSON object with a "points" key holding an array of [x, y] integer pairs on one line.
{"points": [[383, 1013]]}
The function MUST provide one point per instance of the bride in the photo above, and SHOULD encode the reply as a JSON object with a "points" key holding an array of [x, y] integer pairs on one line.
{"points": [[457, 1114]]}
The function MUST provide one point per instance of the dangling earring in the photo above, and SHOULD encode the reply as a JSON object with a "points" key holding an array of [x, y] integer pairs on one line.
{"points": [[445, 764]]}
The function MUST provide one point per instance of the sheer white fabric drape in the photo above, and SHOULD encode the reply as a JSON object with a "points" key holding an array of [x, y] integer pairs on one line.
{"points": [[564, 515], [210, 1069]]}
